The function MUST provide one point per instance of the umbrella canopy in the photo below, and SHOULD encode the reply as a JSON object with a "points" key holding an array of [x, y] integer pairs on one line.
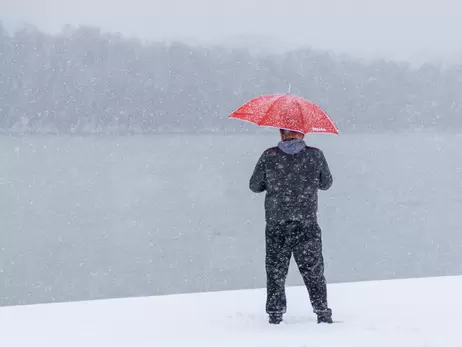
{"points": [[286, 111]]}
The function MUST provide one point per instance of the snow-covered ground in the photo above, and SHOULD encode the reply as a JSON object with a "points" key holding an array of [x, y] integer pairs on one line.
{"points": [[416, 312]]}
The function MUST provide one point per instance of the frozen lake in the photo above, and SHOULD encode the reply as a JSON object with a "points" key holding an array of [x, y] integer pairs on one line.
{"points": [[98, 217]]}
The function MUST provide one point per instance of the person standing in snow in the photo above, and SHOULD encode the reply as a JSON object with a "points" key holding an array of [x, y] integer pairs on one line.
{"points": [[291, 174]]}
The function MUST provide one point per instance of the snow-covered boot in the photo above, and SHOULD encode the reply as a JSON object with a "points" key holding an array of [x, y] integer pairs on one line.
{"points": [[325, 316], [275, 318]]}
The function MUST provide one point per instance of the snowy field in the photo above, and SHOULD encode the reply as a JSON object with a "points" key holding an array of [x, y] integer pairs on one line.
{"points": [[100, 217], [401, 313]]}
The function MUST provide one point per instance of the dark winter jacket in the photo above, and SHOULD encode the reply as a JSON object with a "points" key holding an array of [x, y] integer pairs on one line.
{"points": [[291, 174]]}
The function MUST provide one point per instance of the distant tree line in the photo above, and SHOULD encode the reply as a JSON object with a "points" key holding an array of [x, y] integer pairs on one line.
{"points": [[83, 80]]}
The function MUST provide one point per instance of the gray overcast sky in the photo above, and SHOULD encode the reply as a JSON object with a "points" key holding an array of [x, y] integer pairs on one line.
{"points": [[401, 29]]}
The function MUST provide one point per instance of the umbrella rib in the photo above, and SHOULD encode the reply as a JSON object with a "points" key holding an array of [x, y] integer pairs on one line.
{"points": [[330, 120], [301, 113], [269, 109]]}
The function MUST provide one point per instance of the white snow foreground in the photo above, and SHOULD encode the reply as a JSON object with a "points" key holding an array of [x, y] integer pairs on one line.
{"points": [[414, 312]]}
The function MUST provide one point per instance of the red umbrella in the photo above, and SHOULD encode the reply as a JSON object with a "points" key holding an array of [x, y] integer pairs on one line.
{"points": [[286, 111]]}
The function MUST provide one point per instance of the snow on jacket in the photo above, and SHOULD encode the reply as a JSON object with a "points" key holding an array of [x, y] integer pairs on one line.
{"points": [[291, 174]]}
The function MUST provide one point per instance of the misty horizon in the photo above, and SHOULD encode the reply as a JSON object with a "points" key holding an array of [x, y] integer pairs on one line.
{"points": [[86, 81], [413, 31]]}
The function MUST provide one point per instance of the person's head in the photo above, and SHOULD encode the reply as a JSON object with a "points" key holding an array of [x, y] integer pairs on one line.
{"points": [[291, 135]]}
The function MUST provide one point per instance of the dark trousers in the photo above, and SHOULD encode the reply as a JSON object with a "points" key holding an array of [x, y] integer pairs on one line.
{"points": [[303, 240]]}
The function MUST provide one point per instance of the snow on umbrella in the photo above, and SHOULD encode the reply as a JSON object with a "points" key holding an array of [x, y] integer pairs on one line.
{"points": [[286, 111]]}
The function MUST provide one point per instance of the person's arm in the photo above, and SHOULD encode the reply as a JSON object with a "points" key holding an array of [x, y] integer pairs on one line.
{"points": [[325, 176], [257, 182]]}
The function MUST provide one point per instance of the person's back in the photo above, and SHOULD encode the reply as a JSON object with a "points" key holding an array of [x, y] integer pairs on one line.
{"points": [[291, 174]]}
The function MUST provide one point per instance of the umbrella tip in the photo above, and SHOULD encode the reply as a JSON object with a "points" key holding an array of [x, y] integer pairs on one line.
{"points": [[290, 88]]}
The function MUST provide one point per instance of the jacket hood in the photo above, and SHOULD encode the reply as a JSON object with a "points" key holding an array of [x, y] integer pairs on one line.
{"points": [[292, 146]]}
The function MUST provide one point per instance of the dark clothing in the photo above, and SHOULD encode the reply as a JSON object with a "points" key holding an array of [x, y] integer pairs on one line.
{"points": [[303, 240], [291, 182], [291, 174]]}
